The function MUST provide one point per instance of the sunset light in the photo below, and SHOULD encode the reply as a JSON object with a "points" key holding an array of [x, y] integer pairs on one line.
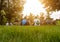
{"points": [[34, 7]]}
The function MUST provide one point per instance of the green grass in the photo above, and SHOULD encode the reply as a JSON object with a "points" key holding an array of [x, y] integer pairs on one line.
{"points": [[30, 33]]}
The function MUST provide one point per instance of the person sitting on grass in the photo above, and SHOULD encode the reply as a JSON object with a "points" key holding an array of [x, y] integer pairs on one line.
{"points": [[36, 21], [24, 21], [7, 23]]}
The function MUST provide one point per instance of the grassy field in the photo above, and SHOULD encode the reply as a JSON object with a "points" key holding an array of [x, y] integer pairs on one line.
{"points": [[29, 33]]}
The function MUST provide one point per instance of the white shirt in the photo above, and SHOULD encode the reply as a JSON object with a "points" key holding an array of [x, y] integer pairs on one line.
{"points": [[35, 21], [7, 24]]}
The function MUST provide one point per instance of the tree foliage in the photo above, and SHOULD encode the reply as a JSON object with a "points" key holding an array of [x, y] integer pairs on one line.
{"points": [[51, 5], [2, 17], [12, 8]]}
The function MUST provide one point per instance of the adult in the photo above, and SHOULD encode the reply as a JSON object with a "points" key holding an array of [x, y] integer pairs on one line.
{"points": [[7, 23], [24, 21], [36, 21]]}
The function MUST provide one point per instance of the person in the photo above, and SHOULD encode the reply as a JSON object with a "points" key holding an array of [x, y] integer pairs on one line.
{"points": [[7, 23], [24, 21], [36, 21], [11, 23]]}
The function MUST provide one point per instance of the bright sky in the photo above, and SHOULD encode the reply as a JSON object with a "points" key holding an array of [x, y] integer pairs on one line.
{"points": [[33, 6], [56, 15]]}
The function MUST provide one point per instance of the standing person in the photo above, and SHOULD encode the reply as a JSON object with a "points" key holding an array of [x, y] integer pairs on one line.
{"points": [[36, 21]]}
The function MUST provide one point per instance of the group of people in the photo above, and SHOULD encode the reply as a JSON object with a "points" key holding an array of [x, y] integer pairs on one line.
{"points": [[25, 21], [33, 20]]}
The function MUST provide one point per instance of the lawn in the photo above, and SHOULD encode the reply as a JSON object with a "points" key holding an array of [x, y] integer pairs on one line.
{"points": [[30, 33]]}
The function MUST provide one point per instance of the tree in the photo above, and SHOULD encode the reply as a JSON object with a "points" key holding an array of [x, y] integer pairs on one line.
{"points": [[42, 21], [51, 5], [2, 13], [15, 7], [12, 8], [31, 18], [3, 17]]}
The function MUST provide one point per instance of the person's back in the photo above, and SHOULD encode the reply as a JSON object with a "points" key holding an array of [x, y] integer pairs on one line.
{"points": [[24, 21]]}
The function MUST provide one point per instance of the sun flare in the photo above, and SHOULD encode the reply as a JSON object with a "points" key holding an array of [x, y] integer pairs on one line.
{"points": [[34, 7]]}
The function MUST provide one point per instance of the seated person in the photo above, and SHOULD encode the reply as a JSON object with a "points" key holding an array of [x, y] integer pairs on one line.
{"points": [[36, 21], [24, 21]]}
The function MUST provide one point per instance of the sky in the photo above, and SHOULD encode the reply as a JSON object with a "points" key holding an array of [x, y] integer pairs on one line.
{"points": [[35, 7], [56, 15]]}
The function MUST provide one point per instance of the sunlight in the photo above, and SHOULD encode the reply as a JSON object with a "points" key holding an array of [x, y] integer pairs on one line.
{"points": [[56, 15], [34, 7]]}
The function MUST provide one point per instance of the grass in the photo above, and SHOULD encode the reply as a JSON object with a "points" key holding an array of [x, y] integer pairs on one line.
{"points": [[30, 33]]}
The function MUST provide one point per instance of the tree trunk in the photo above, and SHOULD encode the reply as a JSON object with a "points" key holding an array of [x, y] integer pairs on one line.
{"points": [[0, 12]]}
